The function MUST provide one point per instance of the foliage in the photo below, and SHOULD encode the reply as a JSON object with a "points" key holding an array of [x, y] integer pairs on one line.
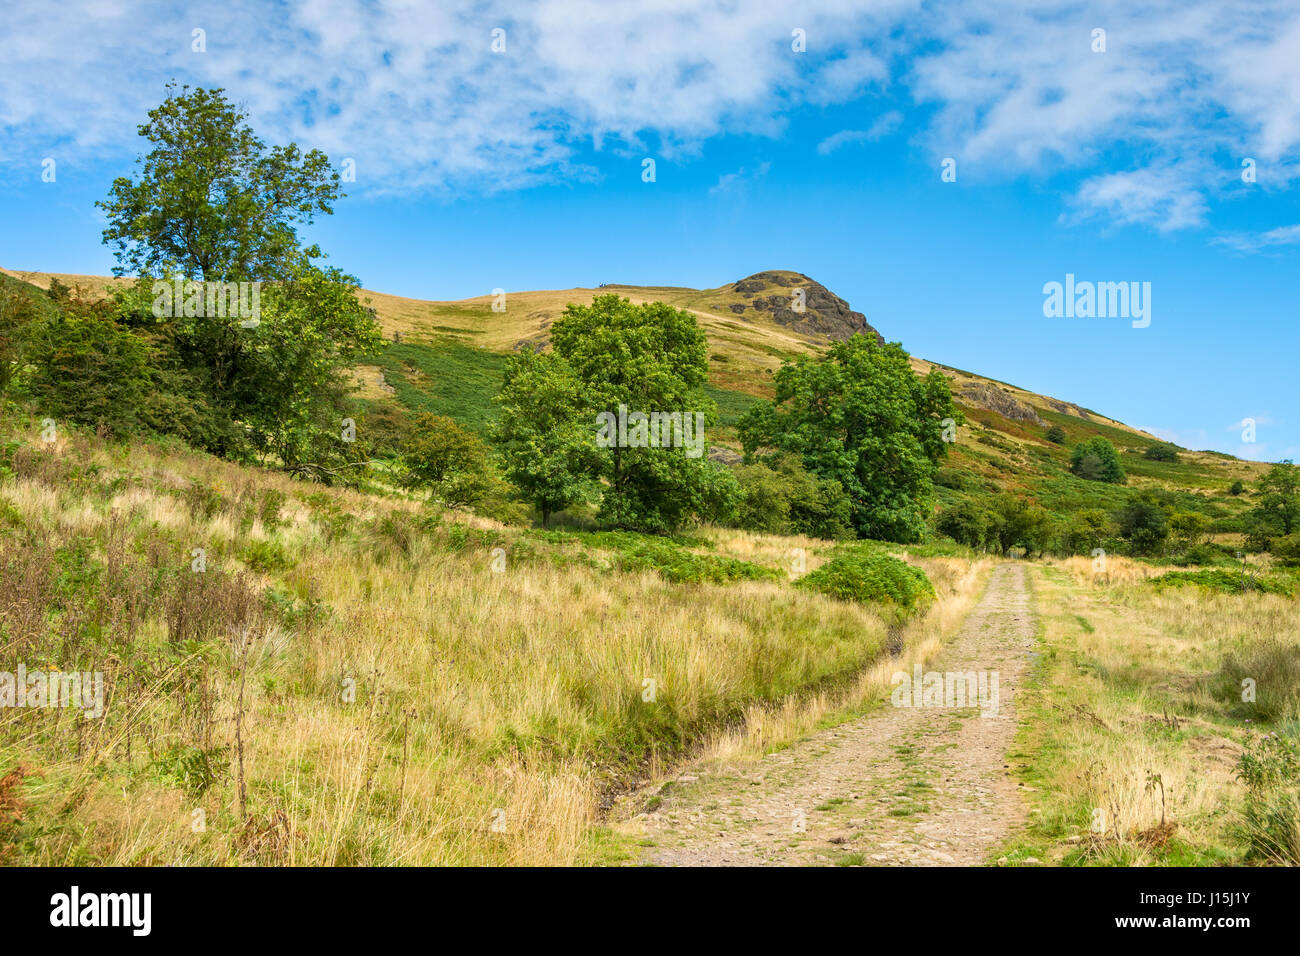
{"points": [[858, 414], [548, 450], [782, 497], [1270, 769], [1097, 460], [1279, 499], [212, 202], [1226, 582], [88, 370], [1143, 523], [1160, 452], [447, 460], [644, 358], [1056, 435], [867, 576]]}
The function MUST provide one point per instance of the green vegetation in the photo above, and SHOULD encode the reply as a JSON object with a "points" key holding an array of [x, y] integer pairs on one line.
{"points": [[860, 574], [1227, 582], [1097, 460], [859, 415]]}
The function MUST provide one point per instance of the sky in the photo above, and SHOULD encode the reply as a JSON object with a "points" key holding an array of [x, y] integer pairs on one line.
{"points": [[935, 164]]}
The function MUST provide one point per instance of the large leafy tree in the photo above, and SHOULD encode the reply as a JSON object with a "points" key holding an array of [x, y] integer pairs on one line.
{"points": [[643, 358], [860, 415], [212, 201], [544, 436]]}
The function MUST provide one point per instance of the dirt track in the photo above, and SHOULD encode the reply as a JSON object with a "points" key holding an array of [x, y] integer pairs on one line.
{"points": [[906, 785]]}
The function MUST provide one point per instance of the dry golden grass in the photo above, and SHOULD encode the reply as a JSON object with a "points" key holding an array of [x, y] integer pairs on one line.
{"points": [[1132, 757], [494, 712]]}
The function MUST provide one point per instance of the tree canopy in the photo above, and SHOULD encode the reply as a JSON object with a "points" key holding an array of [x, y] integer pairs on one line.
{"points": [[860, 415]]}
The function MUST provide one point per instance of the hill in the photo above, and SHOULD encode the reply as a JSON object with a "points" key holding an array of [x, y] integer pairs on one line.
{"points": [[447, 357]]}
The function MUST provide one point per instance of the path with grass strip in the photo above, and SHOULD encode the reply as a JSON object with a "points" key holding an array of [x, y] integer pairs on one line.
{"points": [[905, 785]]}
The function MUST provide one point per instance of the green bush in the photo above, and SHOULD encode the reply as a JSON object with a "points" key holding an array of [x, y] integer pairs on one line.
{"points": [[1097, 460], [1160, 453], [267, 557], [635, 552], [782, 497], [1226, 582], [872, 578], [1270, 827], [1056, 435]]}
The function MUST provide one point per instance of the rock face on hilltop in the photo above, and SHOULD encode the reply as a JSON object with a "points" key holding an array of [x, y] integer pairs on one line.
{"points": [[772, 294]]}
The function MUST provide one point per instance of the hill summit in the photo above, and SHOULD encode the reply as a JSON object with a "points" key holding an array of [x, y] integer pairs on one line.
{"points": [[771, 295]]}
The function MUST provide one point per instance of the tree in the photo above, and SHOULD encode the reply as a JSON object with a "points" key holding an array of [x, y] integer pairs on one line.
{"points": [[18, 317], [966, 523], [782, 497], [1143, 523], [1162, 452], [645, 360], [1084, 531], [858, 414], [447, 460], [1056, 435], [1097, 460], [1190, 527], [88, 370], [1279, 502], [212, 201], [547, 446], [1017, 522], [1236, 488]]}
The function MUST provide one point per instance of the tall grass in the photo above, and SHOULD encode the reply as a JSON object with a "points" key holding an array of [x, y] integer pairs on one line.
{"points": [[385, 684]]}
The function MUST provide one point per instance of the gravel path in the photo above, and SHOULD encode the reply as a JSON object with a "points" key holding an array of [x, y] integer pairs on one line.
{"points": [[906, 785]]}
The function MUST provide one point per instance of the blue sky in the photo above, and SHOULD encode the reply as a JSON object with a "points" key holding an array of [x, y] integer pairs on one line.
{"points": [[522, 168]]}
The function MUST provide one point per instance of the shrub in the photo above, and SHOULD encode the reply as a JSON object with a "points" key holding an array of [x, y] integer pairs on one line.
{"points": [[1225, 581], [1143, 524], [1056, 435], [636, 552], [448, 460], [1236, 488], [966, 523], [1287, 550], [782, 497], [1163, 452], [1270, 827], [872, 578], [1097, 460], [266, 557]]}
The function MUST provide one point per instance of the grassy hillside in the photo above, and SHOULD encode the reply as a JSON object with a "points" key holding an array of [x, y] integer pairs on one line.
{"points": [[361, 679], [450, 355]]}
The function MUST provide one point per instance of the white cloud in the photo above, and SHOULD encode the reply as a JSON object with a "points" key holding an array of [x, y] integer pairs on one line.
{"points": [[734, 182], [1255, 241], [885, 124], [412, 91]]}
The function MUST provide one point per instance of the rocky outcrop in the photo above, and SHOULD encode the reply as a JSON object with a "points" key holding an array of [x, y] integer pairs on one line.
{"points": [[984, 395], [773, 295]]}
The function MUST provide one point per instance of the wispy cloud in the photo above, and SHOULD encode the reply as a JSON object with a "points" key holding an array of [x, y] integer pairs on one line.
{"points": [[1255, 241], [882, 127], [734, 182]]}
